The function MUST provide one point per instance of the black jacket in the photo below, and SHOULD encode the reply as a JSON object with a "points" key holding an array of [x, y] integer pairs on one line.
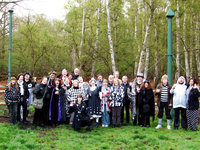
{"points": [[39, 91], [146, 101], [126, 86], [193, 100], [12, 95]]}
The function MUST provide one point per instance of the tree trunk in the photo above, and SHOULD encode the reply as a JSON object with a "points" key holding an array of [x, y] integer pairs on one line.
{"points": [[110, 37], [178, 41], [96, 44], [74, 56], [191, 45], [185, 48], [197, 46], [82, 33], [146, 63], [145, 43], [156, 55]]}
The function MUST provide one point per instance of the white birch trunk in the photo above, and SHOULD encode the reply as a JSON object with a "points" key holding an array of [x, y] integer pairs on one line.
{"points": [[197, 46], [146, 38], [185, 49], [178, 41], [156, 54], [110, 37], [82, 34], [74, 56], [96, 44], [191, 45], [146, 63]]}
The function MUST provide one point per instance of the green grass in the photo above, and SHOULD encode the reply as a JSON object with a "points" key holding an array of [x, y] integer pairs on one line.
{"points": [[124, 138]]}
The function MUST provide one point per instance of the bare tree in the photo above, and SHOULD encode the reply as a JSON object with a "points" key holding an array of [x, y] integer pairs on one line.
{"points": [[197, 46]]}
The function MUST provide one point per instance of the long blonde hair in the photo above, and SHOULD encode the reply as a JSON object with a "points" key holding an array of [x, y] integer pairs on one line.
{"points": [[10, 84]]}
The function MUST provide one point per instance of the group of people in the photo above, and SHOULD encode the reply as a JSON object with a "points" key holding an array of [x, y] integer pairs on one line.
{"points": [[67, 98]]}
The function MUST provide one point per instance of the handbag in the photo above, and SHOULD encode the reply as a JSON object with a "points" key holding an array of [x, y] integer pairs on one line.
{"points": [[38, 103]]}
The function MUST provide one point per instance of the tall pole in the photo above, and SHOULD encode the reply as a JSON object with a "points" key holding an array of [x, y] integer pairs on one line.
{"points": [[170, 15], [10, 45]]}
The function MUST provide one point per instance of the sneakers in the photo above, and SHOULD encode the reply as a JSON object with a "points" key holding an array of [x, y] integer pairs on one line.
{"points": [[168, 127], [159, 126]]}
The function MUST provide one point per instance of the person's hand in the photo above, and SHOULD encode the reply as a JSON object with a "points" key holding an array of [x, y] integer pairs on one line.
{"points": [[91, 118], [174, 86], [71, 104], [157, 90], [170, 105], [57, 92], [138, 89], [65, 88]]}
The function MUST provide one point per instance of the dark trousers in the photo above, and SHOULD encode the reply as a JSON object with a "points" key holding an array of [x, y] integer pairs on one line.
{"points": [[145, 119], [126, 106], [183, 117], [38, 117], [164, 105], [116, 115], [22, 103], [12, 107]]}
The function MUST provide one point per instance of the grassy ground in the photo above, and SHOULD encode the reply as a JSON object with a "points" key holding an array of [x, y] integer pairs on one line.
{"points": [[126, 137]]}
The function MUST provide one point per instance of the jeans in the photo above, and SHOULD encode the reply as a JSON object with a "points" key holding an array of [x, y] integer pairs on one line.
{"points": [[12, 107], [105, 117]]}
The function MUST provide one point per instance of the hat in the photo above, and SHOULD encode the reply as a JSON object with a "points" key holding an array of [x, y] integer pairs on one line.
{"points": [[140, 75], [52, 72], [146, 81], [12, 78]]}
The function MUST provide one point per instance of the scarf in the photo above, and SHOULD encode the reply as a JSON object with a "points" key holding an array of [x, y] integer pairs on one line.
{"points": [[21, 87]]}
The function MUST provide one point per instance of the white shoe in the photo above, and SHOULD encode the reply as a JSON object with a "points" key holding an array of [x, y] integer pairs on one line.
{"points": [[103, 125], [106, 126], [168, 127], [159, 126]]}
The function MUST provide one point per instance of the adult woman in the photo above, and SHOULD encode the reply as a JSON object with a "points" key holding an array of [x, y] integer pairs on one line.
{"points": [[164, 101], [55, 109], [192, 105], [12, 97], [105, 103], [94, 104], [24, 95], [40, 92], [146, 104], [81, 117], [116, 97]]}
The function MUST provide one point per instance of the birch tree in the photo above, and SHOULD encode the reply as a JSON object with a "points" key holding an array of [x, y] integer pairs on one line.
{"points": [[110, 37], [178, 40], [146, 38], [96, 43], [184, 44], [197, 46], [82, 34]]}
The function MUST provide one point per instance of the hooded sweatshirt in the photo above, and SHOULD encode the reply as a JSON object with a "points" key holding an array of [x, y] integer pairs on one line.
{"points": [[179, 94]]}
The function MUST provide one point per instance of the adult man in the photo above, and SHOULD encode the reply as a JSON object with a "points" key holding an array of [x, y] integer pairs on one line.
{"points": [[76, 74], [133, 95], [126, 102]]}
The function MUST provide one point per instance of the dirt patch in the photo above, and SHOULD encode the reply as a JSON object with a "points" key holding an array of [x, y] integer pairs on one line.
{"points": [[4, 119]]}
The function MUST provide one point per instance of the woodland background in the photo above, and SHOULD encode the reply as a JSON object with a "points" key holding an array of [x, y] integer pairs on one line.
{"points": [[100, 36]]}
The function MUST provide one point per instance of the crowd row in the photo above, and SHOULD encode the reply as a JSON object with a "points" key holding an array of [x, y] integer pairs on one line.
{"points": [[68, 99]]}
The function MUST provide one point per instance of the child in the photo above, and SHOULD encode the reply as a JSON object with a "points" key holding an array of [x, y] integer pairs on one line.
{"points": [[81, 116]]}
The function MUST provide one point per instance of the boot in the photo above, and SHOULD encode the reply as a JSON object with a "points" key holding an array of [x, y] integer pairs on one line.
{"points": [[168, 124], [159, 126]]}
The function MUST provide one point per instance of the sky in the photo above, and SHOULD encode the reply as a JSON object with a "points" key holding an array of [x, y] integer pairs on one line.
{"points": [[53, 9]]}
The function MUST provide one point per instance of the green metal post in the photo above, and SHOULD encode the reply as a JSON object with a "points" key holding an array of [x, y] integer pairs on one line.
{"points": [[169, 15], [10, 46]]}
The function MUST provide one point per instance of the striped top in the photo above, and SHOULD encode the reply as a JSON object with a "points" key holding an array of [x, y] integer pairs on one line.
{"points": [[164, 94]]}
